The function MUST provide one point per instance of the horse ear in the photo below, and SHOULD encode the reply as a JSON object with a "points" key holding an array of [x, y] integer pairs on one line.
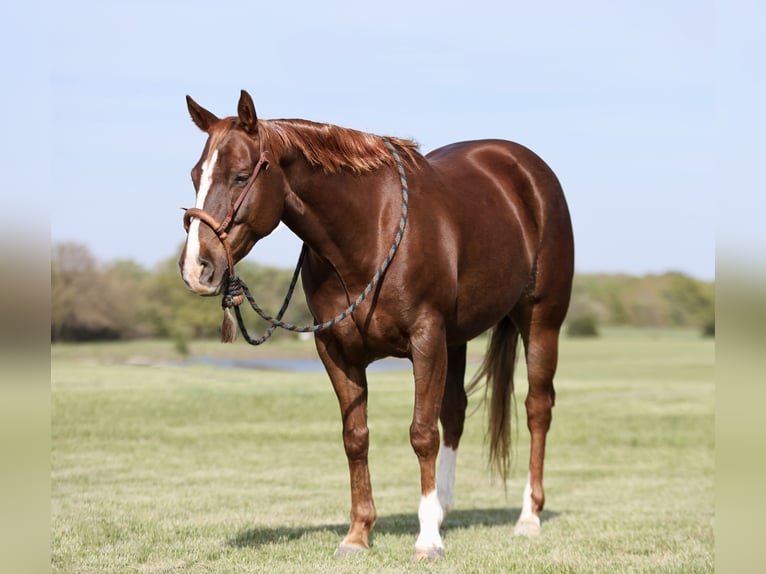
{"points": [[246, 111], [202, 118]]}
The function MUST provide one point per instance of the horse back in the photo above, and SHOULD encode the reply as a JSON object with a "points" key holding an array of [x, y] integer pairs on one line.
{"points": [[484, 172]]}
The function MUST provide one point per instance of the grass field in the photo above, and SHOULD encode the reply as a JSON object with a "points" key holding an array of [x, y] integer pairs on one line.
{"points": [[166, 467]]}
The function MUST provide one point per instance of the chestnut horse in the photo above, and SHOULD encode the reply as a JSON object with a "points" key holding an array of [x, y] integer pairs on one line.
{"points": [[487, 245]]}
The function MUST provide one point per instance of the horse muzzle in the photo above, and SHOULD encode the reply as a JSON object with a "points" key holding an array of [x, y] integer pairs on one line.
{"points": [[201, 270], [199, 277]]}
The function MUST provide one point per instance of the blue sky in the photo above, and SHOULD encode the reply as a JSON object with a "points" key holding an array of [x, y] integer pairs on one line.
{"points": [[618, 97]]}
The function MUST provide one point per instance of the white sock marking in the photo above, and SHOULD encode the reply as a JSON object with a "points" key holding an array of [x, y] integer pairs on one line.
{"points": [[527, 516], [526, 501], [192, 268], [445, 478], [430, 514]]}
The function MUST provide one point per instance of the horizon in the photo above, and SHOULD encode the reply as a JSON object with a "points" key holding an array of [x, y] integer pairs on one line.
{"points": [[153, 267]]}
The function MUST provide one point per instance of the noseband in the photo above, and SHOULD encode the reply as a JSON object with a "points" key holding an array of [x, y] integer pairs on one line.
{"points": [[237, 290]]}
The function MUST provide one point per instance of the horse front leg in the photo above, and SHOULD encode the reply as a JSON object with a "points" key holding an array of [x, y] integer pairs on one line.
{"points": [[350, 384], [429, 359]]}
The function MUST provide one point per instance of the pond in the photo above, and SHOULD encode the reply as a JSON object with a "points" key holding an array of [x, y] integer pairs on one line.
{"points": [[295, 365]]}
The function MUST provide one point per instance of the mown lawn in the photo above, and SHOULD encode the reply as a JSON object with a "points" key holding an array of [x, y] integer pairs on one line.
{"points": [[179, 468]]}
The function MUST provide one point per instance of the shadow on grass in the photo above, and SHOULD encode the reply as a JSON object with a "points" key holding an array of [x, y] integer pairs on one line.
{"points": [[398, 524]]}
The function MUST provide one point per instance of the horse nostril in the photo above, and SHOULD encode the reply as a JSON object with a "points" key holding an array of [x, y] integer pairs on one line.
{"points": [[207, 270]]}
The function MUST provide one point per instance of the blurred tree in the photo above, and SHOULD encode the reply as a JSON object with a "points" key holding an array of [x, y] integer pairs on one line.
{"points": [[668, 300], [128, 285], [82, 300], [177, 313], [582, 325], [687, 301]]}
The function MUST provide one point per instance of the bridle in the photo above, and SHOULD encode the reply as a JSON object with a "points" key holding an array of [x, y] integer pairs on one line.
{"points": [[221, 229], [237, 290]]}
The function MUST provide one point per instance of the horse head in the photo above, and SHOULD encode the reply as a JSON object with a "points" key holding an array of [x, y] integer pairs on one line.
{"points": [[239, 200]]}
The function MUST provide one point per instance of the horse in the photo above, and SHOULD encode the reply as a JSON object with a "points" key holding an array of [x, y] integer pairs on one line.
{"points": [[487, 246]]}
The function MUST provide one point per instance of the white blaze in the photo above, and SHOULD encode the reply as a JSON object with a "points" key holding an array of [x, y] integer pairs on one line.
{"points": [[192, 267]]}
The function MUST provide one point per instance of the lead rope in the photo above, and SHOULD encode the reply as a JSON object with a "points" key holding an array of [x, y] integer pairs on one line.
{"points": [[237, 290]]}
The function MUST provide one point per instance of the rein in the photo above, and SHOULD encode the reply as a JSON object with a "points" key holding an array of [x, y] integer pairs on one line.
{"points": [[237, 290]]}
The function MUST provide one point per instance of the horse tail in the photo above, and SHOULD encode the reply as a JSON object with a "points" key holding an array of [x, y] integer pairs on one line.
{"points": [[497, 368]]}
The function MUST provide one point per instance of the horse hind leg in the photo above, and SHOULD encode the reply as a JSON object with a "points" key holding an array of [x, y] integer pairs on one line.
{"points": [[452, 417], [541, 346]]}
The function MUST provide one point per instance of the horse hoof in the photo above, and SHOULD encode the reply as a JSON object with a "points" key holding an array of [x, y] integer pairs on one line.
{"points": [[428, 554], [346, 550], [528, 528]]}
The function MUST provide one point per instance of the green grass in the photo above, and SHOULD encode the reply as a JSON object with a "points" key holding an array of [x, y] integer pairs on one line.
{"points": [[197, 469]]}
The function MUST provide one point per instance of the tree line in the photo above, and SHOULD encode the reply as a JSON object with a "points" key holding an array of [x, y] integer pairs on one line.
{"points": [[121, 299], [671, 299]]}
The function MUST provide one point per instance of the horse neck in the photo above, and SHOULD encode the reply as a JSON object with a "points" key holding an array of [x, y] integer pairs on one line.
{"points": [[343, 217]]}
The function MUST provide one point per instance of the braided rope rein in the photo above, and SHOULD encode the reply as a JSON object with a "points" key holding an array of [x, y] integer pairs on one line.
{"points": [[236, 288]]}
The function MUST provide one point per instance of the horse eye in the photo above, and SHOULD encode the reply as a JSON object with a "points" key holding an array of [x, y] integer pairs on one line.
{"points": [[241, 178]]}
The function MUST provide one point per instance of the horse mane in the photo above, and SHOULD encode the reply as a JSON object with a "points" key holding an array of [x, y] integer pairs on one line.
{"points": [[334, 148]]}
